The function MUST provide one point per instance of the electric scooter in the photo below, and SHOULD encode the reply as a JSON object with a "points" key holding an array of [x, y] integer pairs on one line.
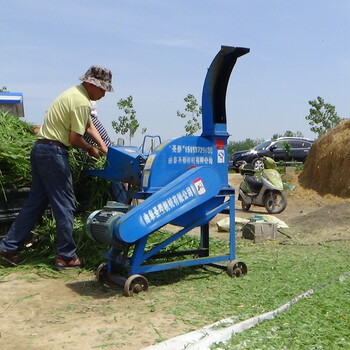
{"points": [[263, 188]]}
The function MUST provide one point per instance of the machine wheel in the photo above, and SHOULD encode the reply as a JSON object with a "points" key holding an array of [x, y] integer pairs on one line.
{"points": [[258, 164], [275, 202], [101, 273], [245, 206], [135, 284], [236, 268]]}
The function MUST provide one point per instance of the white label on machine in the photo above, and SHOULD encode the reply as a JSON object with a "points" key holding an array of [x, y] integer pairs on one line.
{"points": [[167, 204], [199, 186], [221, 156], [145, 178], [149, 162]]}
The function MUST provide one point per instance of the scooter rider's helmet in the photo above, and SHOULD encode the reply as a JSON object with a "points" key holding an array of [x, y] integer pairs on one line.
{"points": [[269, 163]]}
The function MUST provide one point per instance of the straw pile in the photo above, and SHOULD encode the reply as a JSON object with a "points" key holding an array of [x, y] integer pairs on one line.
{"points": [[327, 167]]}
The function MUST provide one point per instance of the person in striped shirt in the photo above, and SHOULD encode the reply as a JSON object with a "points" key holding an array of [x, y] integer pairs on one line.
{"points": [[118, 189], [99, 127]]}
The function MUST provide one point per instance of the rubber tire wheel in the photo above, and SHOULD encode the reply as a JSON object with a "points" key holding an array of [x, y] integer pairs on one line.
{"points": [[236, 268], [101, 273], [135, 284], [258, 164], [245, 206], [275, 202]]}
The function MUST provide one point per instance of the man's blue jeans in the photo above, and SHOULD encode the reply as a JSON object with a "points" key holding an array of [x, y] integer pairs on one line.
{"points": [[51, 184]]}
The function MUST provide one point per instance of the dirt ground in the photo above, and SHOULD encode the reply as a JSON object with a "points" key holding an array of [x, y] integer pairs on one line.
{"points": [[73, 311]]}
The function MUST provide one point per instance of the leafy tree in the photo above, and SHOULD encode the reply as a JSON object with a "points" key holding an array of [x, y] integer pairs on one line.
{"points": [[127, 123], [287, 146], [322, 117], [288, 133], [193, 125], [235, 146], [4, 89]]}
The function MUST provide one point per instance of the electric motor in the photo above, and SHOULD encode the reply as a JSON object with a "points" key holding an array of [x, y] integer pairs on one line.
{"points": [[100, 224]]}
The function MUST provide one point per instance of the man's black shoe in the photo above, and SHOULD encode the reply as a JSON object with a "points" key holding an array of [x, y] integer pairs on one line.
{"points": [[11, 258]]}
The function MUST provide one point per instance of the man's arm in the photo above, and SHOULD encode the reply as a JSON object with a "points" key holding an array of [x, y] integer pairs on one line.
{"points": [[78, 141], [96, 137]]}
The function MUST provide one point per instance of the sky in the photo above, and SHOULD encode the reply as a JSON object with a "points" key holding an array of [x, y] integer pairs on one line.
{"points": [[159, 52]]}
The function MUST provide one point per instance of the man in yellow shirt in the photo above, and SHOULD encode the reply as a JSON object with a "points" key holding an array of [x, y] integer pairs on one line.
{"points": [[66, 121]]}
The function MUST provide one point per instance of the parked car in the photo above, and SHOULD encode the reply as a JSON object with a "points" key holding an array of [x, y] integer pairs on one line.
{"points": [[286, 149]]}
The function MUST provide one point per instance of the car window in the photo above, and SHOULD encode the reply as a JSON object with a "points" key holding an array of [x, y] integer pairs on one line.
{"points": [[300, 144], [262, 145], [280, 144], [296, 144]]}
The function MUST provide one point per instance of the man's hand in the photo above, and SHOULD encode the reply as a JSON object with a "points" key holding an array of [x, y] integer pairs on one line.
{"points": [[78, 141], [104, 149], [94, 152]]}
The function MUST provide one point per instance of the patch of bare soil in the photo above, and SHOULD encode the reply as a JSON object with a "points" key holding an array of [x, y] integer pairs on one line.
{"points": [[311, 217], [75, 312]]}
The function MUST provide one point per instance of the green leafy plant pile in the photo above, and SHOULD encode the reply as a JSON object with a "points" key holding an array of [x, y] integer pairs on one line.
{"points": [[16, 141], [41, 250], [91, 192]]}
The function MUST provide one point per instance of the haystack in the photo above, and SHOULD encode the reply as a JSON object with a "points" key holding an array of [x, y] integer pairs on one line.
{"points": [[327, 167]]}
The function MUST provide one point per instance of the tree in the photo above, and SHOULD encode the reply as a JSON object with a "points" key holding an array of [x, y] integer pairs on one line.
{"points": [[235, 146], [288, 133], [192, 107], [127, 123], [322, 117], [4, 89]]}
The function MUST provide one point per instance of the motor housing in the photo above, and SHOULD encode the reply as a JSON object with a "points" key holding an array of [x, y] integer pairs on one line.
{"points": [[100, 224]]}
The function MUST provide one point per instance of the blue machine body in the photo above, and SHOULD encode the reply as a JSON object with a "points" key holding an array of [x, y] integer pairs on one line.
{"points": [[123, 163], [182, 182], [174, 157], [183, 201]]}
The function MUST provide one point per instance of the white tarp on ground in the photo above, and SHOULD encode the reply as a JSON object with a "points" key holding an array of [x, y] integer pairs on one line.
{"points": [[223, 330], [224, 224]]}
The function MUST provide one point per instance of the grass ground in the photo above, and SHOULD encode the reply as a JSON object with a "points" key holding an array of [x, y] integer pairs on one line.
{"points": [[277, 273]]}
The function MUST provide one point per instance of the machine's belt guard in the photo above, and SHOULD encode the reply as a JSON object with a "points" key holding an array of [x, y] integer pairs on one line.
{"points": [[191, 189]]}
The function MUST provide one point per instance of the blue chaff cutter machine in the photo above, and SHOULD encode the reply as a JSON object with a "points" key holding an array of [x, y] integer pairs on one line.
{"points": [[183, 182]]}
